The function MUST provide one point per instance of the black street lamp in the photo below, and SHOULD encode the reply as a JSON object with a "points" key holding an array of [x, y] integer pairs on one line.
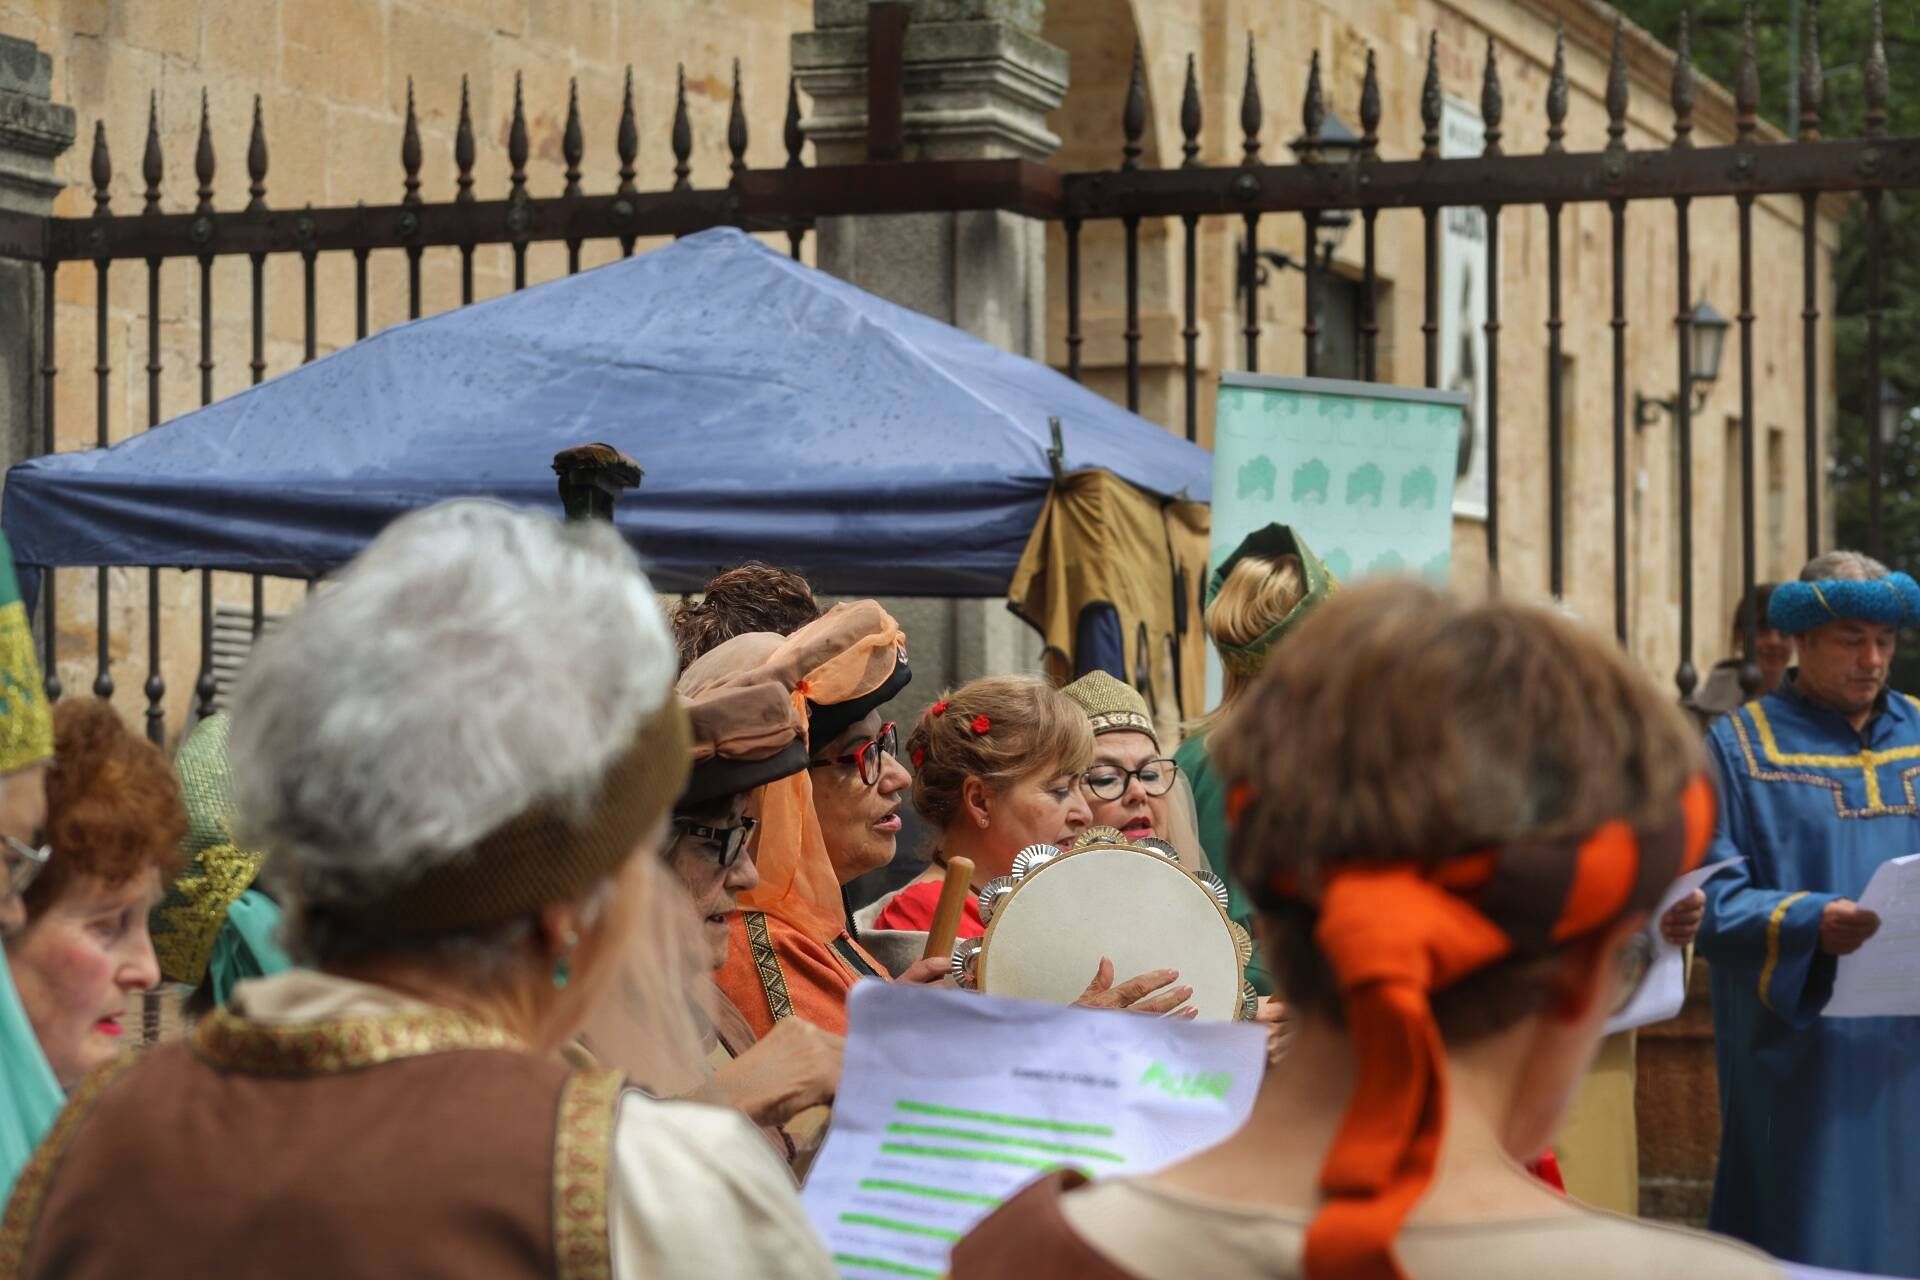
{"points": [[1707, 338]]}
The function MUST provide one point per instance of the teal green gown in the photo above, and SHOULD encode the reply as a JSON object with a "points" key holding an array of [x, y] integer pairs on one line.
{"points": [[1210, 815], [29, 1095]]}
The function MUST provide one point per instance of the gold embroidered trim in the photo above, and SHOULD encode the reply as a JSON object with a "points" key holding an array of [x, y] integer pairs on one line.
{"points": [[189, 919], [227, 1040], [1773, 944], [26, 724], [766, 962], [1107, 721], [582, 1172], [1869, 762], [30, 1191]]}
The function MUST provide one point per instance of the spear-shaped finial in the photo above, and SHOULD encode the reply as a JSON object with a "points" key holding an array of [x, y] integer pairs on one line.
{"points": [[1877, 84], [1617, 88], [1190, 119], [573, 142], [627, 139], [1557, 91], [257, 159], [796, 138], [1313, 111], [203, 159], [1683, 87], [1250, 110], [151, 163], [102, 169], [1813, 78], [463, 148], [1430, 102], [1370, 108], [410, 151], [1492, 103], [1133, 115], [682, 135], [1746, 82], [518, 147], [737, 126]]}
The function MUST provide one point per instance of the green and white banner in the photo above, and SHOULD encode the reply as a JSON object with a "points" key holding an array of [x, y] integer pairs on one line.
{"points": [[1363, 471]]}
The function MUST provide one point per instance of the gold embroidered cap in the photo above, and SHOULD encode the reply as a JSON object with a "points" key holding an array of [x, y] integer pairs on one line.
{"points": [[26, 725], [1271, 543], [1112, 706], [188, 920]]}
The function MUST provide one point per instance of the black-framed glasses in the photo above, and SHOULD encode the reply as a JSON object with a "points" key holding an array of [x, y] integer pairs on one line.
{"points": [[866, 757], [724, 844], [23, 863], [1109, 781]]}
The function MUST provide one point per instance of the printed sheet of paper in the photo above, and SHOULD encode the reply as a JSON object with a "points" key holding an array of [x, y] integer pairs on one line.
{"points": [[1882, 978], [1664, 989], [950, 1102]]}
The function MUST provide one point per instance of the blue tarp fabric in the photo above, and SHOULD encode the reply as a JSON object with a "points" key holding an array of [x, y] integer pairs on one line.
{"points": [[779, 414]]}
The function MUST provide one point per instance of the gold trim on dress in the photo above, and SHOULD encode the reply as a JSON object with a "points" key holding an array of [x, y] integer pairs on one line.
{"points": [[582, 1172], [766, 962], [30, 1191], [1773, 944], [1869, 762], [227, 1040]]}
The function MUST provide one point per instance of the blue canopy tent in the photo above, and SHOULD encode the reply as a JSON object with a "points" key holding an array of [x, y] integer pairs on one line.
{"points": [[779, 414]]}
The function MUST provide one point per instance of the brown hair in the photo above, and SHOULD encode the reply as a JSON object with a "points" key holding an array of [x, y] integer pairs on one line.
{"points": [[1256, 597], [748, 597], [1399, 724], [114, 806], [1031, 729]]}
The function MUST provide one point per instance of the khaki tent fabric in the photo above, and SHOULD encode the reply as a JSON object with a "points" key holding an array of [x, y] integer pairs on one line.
{"points": [[1100, 540]]}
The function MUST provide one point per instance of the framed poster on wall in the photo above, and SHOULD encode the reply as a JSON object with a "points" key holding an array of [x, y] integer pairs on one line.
{"points": [[1463, 311]]}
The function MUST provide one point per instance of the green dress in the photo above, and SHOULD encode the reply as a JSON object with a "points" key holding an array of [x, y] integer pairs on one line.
{"points": [[1210, 811], [29, 1095]]}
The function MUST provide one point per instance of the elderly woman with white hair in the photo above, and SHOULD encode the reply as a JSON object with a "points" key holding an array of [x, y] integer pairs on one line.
{"points": [[459, 761]]}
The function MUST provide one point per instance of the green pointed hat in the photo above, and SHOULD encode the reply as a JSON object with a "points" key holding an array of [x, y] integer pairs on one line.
{"points": [[188, 920], [26, 726], [1270, 543]]}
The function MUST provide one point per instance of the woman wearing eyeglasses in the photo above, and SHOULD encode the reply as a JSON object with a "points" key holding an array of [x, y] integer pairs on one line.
{"points": [[1132, 785]]}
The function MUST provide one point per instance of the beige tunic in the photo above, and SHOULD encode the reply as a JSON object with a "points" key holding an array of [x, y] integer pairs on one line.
{"points": [[1159, 1234]]}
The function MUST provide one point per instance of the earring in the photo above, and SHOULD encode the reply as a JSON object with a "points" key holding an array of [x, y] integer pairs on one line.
{"points": [[983, 822], [563, 967]]}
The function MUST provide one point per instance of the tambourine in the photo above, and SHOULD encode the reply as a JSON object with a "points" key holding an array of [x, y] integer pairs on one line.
{"points": [[1061, 910]]}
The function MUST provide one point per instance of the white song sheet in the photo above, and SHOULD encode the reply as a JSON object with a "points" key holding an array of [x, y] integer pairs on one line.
{"points": [[950, 1102], [1882, 978], [1664, 990]]}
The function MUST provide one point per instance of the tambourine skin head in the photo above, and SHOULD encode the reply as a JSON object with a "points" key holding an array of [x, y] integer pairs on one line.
{"points": [[1134, 906]]}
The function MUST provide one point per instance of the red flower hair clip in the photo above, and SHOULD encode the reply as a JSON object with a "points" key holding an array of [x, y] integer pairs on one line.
{"points": [[940, 708], [980, 726], [919, 756]]}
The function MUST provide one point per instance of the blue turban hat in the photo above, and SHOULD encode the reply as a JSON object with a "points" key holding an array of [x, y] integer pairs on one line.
{"points": [[1799, 607]]}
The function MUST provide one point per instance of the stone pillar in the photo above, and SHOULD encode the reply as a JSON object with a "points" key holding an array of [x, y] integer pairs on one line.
{"points": [[979, 82], [34, 131]]}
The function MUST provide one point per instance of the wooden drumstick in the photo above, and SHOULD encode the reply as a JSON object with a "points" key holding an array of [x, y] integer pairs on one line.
{"points": [[953, 900]]}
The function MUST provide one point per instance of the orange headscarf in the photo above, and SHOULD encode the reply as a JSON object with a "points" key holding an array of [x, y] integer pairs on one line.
{"points": [[847, 653], [1394, 934]]}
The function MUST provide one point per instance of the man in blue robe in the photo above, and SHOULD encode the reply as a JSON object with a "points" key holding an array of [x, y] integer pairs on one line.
{"points": [[1820, 1145]]}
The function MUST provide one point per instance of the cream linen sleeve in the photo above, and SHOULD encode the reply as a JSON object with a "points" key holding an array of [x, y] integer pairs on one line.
{"points": [[698, 1192]]}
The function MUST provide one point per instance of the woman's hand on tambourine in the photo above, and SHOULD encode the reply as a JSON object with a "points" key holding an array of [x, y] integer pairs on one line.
{"points": [[796, 1066], [926, 973], [1148, 993], [1272, 1014]]}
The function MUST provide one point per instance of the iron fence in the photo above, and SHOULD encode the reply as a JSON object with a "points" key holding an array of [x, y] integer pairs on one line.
{"points": [[791, 199]]}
